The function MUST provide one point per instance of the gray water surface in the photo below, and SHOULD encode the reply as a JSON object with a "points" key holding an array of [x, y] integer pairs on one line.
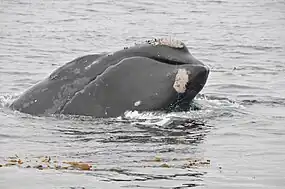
{"points": [[238, 128]]}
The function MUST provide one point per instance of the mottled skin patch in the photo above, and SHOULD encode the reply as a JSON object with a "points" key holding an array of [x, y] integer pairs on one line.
{"points": [[65, 94], [51, 94]]}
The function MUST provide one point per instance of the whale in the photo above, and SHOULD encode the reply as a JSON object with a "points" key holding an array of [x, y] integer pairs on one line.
{"points": [[156, 75]]}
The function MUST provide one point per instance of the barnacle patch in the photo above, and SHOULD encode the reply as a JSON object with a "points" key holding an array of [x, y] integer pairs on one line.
{"points": [[166, 42], [181, 80]]}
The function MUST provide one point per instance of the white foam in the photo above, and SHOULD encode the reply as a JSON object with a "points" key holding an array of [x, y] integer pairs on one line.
{"points": [[7, 99]]}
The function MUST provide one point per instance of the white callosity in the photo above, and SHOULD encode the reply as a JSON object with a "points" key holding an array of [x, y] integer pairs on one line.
{"points": [[166, 42], [181, 80]]}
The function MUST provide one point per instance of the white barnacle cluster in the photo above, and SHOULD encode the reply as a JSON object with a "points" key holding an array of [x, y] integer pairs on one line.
{"points": [[181, 80], [167, 42]]}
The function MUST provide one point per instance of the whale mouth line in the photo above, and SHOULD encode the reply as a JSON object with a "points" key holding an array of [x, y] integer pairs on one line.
{"points": [[167, 61]]}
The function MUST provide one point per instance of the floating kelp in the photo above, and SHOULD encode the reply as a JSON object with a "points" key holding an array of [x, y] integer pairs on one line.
{"points": [[46, 162]]}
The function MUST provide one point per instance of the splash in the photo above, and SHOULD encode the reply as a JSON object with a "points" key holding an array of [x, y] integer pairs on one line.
{"points": [[212, 102], [7, 99], [202, 108]]}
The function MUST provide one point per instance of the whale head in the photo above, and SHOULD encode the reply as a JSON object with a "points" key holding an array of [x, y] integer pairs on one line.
{"points": [[156, 75], [190, 74]]}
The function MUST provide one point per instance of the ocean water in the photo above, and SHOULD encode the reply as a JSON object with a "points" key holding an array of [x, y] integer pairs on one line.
{"points": [[235, 138]]}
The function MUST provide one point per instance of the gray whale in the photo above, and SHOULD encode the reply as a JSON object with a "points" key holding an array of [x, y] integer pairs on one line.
{"points": [[157, 75]]}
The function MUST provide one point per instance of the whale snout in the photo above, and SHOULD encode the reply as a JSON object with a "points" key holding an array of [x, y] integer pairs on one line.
{"points": [[197, 78], [200, 75]]}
